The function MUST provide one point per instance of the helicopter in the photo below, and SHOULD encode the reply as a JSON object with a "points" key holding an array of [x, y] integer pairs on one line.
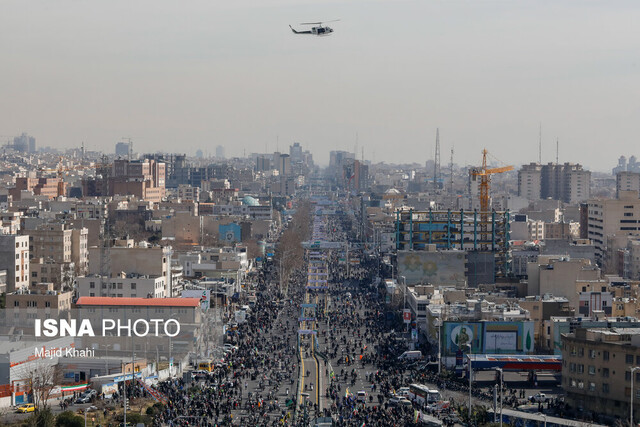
{"points": [[316, 31]]}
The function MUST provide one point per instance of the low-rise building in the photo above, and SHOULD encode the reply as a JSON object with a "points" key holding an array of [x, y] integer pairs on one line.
{"points": [[541, 309], [122, 286], [596, 369], [40, 302]]}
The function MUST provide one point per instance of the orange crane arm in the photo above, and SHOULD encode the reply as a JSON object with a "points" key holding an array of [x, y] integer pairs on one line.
{"points": [[499, 170]]}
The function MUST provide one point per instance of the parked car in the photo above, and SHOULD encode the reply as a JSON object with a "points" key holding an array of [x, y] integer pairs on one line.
{"points": [[26, 407], [84, 398], [399, 401]]}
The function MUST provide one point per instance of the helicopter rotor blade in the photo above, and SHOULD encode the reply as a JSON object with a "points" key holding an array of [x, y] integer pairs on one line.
{"points": [[318, 23]]}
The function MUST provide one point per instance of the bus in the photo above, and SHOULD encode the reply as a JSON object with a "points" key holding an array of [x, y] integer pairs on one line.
{"points": [[205, 366], [423, 394]]}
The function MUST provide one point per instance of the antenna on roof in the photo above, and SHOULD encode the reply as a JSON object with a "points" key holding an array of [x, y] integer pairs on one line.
{"points": [[540, 145]]}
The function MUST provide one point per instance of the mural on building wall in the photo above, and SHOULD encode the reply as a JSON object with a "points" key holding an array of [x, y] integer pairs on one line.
{"points": [[230, 232], [444, 267]]}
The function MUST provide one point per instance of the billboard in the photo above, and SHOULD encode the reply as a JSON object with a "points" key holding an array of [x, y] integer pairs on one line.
{"points": [[496, 341], [487, 337], [442, 267], [203, 295]]}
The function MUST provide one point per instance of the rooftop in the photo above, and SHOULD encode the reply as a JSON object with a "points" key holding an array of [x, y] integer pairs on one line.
{"points": [[150, 302]]}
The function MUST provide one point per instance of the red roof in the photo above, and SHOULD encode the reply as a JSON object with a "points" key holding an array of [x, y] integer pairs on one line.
{"points": [[151, 302]]}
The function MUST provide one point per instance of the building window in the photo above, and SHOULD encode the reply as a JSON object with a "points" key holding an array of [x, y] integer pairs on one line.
{"points": [[133, 286], [592, 386], [580, 368], [92, 285], [580, 351], [47, 303], [572, 367], [605, 372], [592, 354], [16, 303], [592, 370], [629, 359], [627, 376]]}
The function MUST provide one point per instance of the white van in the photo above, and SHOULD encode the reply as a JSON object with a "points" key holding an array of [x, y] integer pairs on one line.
{"points": [[410, 355]]}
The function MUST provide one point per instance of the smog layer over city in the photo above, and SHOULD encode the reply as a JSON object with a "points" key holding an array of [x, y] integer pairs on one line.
{"points": [[307, 213]]}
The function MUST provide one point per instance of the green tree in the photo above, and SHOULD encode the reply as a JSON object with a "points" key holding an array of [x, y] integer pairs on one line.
{"points": [[42, 418], [69, 419]]}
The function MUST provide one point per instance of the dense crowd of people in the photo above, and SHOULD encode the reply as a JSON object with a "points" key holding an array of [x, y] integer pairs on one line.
{"points": [[258, 382]]}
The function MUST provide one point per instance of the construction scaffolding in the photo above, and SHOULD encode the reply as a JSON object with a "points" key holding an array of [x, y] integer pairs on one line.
{"points": [[470, 231]]}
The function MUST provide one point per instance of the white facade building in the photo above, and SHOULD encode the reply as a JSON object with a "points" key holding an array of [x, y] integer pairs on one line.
{"points": [[131, 286]]}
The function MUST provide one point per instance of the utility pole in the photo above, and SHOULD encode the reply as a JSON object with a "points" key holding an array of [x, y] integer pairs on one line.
{"points": [[451, 178], [470, 375], [436, 162]]}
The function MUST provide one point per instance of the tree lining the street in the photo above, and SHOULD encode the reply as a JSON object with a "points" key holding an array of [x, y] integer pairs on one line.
{"points": [[289, 253]]}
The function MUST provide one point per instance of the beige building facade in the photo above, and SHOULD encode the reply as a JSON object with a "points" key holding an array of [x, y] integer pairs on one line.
{"points": [[596, 370], [14, 257]]}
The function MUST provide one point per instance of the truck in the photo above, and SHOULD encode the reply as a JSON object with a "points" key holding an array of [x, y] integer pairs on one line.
{"points": [[410, 355]]}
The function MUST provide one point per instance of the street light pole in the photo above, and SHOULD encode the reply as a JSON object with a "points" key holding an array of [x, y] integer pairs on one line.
{"points": [[633, 370], [501, 375], [439, 348], [470, 375]]}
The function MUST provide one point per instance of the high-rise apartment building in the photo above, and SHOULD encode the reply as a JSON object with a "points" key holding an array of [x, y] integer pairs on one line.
{"points": [[627, 181], [123, 149], [612, 217], [567, 182], [50, 187], [14, 257], [142, 178], [263, 163], [530, 181], [24, 143], [295, 151], [283, 164]]}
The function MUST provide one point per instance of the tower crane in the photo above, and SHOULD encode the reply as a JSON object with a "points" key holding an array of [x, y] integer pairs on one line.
{"points": [[484, 174]]}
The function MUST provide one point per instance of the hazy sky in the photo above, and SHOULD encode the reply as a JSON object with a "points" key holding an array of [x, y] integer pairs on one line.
{"points": [[181, 75]]}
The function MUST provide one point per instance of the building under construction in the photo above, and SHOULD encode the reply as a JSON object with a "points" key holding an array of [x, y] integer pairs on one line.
{"points": [[484, 236]]}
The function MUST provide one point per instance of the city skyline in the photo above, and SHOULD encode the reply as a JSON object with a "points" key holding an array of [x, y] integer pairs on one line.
{"points": [[207, 74]]}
